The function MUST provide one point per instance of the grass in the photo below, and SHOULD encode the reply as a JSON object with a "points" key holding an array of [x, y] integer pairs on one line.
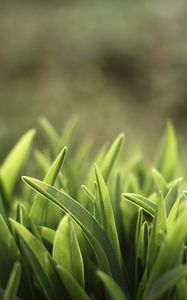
{"points": [[114, 228]]}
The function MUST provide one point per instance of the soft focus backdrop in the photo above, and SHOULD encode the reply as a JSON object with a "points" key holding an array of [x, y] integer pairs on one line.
{"points": [[119, 65]]}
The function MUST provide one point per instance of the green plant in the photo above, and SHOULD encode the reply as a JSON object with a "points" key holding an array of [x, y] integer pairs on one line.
{"points": [[112, 229]]}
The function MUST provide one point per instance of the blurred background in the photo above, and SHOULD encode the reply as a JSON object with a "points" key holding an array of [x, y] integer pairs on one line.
{"points": [[119, 65]]}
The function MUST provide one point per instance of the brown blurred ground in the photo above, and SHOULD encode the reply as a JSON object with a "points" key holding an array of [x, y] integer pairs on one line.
{"points": [[120, 66]]}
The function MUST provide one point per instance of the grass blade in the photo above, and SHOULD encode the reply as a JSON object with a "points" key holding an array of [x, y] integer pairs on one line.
{"points": [[141, 201], [112, 288], [66, 251], [9, 252], [14, 162], [101, 246], [43, 213], [74, 289], [13, 282], [168, 157], [111, 156], [166, 282], [107, 214], [41, 263]]}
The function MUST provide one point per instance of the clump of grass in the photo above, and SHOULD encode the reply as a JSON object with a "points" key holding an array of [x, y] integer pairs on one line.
{"points": [[111, 229]]}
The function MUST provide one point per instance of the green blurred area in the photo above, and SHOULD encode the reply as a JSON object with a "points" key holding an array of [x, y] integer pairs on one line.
{"points": [[119, 65]]}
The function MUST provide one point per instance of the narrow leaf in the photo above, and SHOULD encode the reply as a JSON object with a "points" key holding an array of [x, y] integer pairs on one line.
{"points": [[14, 162], [111, 286], [66, 251], [13, 282], [43, 213]]}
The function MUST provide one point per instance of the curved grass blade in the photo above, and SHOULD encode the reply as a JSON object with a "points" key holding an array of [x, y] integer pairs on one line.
{"points": [[107, 214], [66, 251], [159, 181], [9, 252], [168, 157], [43, 213], [74, 289], [13, 282], [111, 286], [41, 263], [14, 162], [172, 195], [111, 156], [166, 282], [101, 246], [141, 201]]}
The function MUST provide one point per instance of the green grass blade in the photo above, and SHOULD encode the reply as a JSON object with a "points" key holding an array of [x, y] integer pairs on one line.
{"points": [[14, 162], [107, 214], [111, 286], [13, 282], [47, 234], [111, 156], [69, 131], [101, 246], [172, 195], [142, 245], [52, 137], [42, 161], [169, 252], [74, 289], [141, 201], [40, 261], [159, 181], [43, 213], [157, 234], [66, 251], [9, 252], [168, 157], [166, 282]]}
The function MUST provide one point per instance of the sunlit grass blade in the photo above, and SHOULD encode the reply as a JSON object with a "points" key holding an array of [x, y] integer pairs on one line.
{"points": [[13, 282], [111, 286], [9, 252], [38, 257], [173, 213], [72, 286], [101, 246], [159, 181], [66, 250], [168, 157], [107, 214], [167, 281], [2, 209], [47, 234], [43, 213], [14, 162], [172, 195], [141, 201], [88, 193], [111, 156]]}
